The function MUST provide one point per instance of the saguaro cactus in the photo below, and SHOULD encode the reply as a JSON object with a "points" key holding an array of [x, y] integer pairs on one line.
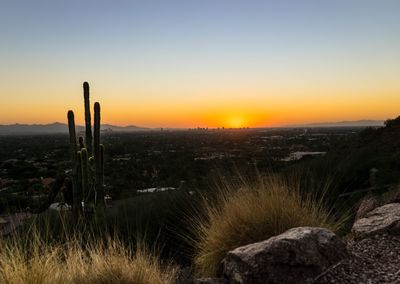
{"points": [[85, 180]]}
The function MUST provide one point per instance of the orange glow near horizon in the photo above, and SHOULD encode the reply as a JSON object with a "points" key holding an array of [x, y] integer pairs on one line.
{"points": [[261, 114], [267, 107]]}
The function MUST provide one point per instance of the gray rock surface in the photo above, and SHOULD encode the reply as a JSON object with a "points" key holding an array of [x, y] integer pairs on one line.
{"points": [[384, 219], [373, 260], [293, 257]]}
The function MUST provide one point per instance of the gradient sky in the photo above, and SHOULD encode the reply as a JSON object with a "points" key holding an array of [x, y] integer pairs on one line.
{"points": [[207, 63]]}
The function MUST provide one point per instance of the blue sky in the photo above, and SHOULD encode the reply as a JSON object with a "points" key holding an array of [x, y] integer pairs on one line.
{"points": [[157, 52]]}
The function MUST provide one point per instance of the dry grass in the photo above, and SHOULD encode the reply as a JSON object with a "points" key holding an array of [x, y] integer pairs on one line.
{"points": [[37, 262], [245, 214]]}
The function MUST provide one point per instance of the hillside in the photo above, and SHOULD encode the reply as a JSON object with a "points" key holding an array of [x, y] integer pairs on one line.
{"points": [[349, 163]]}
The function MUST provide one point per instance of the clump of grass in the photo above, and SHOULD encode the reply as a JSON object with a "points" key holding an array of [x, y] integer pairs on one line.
{"points": [[245, 213], [25, 261]]}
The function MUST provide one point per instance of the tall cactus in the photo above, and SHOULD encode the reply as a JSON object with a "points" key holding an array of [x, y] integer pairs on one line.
{"points": [[73, 153], [87, 160], [88, 122]]}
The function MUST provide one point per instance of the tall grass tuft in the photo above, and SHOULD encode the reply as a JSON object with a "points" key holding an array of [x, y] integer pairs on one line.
{"points": [[35, 261], [245, 213]]}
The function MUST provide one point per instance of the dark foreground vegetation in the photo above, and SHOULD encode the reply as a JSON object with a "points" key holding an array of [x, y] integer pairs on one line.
{"points": [[189, 165]]}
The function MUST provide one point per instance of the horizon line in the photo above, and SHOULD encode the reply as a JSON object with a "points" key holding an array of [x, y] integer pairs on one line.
{"points": [[374, 122]]}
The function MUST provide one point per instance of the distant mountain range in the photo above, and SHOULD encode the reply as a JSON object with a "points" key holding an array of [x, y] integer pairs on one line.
{"points": [[57, 127], [356, 123], [54, 128]]}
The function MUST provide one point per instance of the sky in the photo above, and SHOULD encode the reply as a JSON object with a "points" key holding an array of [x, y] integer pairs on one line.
{"points": [[208, 63]]}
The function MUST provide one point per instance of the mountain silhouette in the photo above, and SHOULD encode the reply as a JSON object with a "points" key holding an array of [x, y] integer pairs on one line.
{"points": [[57, 127]]}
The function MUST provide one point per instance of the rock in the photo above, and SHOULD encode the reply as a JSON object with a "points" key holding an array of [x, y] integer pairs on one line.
{"points": [[211, 281], [374, 260], [367, 204], [384, 219], [292, 257]]}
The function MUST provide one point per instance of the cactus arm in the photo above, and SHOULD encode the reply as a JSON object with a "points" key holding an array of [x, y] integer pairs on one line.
{"points": [[96, 144], [74, 163], [102, 164], [96, 149], [88, 122], [72, 135], [85, 174], [79, 195]]}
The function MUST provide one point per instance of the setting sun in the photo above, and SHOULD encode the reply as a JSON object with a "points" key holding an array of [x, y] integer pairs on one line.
{"points": [[236, 122]]}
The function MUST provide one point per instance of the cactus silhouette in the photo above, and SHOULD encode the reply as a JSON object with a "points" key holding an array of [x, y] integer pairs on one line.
{"points": [[74, 162], [102, 165], [88, 122], [97, 157], [87, 184], [85, 174]]}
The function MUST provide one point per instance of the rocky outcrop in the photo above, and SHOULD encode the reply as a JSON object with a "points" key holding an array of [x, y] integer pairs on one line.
{"points": [[292, 257], [384, 219]]}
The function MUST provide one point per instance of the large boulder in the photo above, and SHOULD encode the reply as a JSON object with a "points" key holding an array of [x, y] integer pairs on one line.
{"points": [[384, 219], [292, 257]]}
